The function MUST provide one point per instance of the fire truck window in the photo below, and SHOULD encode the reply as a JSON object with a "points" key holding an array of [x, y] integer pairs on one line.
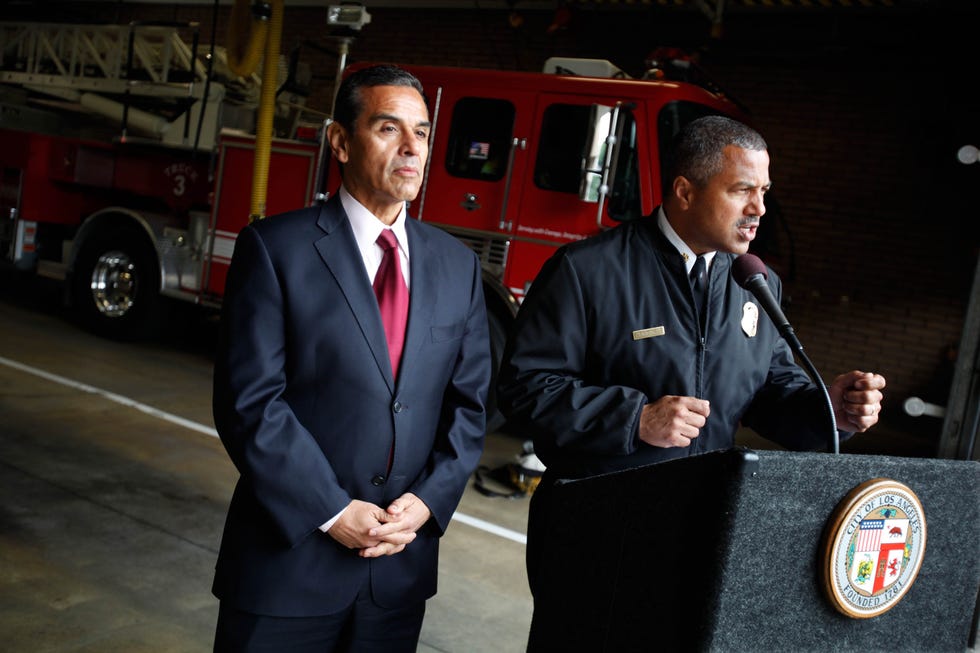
{"points": [[559, 163], [558, 167], [479, 138]]}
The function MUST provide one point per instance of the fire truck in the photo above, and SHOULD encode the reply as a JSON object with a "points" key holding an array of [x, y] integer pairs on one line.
{"points": [[128, 163], [146, 201]]}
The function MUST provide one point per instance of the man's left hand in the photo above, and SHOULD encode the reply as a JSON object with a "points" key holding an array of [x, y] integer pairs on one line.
{"points": [[856, 397], [402, 519]]}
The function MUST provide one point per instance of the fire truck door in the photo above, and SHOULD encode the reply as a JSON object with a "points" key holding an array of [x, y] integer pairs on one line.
{"points": [[550, 206], [550, 212], [478, 155]]}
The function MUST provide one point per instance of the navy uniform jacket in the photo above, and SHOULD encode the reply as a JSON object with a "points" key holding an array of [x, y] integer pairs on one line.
{"points": [[305, 404], [575, 376]]}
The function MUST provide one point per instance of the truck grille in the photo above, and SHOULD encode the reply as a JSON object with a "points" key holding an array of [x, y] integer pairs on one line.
{"points": [[492, 252]]}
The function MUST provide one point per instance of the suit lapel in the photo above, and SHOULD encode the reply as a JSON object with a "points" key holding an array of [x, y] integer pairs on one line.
{"points": [[339, 252]]}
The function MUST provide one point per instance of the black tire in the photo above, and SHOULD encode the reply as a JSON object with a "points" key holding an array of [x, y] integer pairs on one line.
{"points": [[498, 338], [115, 284]]}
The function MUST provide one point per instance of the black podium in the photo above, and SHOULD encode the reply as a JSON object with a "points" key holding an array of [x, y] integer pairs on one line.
{"points": [[722, 552]]}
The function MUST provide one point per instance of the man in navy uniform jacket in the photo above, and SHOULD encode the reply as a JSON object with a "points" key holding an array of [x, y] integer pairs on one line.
{"points": [[615, 364]]}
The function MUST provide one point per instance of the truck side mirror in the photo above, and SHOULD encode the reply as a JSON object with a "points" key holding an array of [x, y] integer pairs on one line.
{"points": [[594, 158]]}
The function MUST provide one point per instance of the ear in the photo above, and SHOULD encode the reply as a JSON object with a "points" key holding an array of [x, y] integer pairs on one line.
{"points": [[339, 142], [683, 191]]}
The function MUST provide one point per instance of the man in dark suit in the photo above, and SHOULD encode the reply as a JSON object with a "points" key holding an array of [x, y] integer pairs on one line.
{"points": [[352, 456]]}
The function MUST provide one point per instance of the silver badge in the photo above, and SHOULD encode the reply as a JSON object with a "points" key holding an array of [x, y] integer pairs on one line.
{"points": [[750, 319]]}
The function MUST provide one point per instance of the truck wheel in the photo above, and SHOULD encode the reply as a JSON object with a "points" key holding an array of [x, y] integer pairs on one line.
{"points": [[498, 338], [114, 285]]}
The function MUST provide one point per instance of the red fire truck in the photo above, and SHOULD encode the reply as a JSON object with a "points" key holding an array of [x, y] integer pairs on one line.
{"points": [[149, 201], [126, 166]]}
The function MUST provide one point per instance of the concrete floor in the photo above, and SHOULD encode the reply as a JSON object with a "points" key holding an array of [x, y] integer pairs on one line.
{"points": [[115, 490], [113, 506]]}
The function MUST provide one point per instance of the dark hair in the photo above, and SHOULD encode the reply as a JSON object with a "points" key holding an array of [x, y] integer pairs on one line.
{"points": [[697, 151], [348, 104]]}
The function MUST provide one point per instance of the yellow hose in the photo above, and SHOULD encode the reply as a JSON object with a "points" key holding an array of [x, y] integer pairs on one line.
{"points": [[246, 39], [263, 128]]}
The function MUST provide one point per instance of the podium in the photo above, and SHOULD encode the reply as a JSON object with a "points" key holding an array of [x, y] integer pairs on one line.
{"points": [[723, 552]]}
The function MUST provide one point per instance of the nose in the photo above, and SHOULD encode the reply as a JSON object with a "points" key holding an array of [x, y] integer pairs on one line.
{"points": [[757, 205], [412, 145]]}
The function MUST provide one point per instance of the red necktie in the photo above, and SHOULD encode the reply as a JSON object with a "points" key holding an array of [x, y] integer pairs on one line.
{"points": [[392, 294]]}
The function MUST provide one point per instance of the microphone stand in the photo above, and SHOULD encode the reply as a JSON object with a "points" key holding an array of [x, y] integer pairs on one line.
{"points": [[794, 343], [749, 272]]}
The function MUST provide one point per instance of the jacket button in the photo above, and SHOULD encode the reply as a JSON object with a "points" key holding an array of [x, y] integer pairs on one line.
{"points": [[397, 406], [378, 480]]}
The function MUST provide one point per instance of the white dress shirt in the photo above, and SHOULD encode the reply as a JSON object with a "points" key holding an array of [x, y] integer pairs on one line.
{"points": [[367, 227]]}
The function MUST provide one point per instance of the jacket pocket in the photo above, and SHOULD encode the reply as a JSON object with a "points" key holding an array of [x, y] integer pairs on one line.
{"points": [[444, 333]]}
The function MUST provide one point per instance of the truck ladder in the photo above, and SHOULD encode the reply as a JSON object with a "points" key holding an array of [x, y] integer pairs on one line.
{"points": [[104, 67]]}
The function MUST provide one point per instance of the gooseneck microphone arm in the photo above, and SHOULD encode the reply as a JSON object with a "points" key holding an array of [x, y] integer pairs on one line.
{"points": [[749, 272]]}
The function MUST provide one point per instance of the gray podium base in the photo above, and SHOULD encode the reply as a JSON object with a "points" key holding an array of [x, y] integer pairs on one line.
{"points": [[721, 552]]}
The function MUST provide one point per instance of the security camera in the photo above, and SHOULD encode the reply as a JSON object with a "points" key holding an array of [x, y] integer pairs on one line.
{"points": [[352, 16]]}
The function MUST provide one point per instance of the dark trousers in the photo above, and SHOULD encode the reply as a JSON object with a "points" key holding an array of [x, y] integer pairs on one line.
{"points": [[360, 628]]}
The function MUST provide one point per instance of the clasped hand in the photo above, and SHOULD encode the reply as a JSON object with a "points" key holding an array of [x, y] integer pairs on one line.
{"points": [[376, 531]]}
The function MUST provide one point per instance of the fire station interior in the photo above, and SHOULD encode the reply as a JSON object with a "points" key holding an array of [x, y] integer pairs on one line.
{"points": [[116, 483]]}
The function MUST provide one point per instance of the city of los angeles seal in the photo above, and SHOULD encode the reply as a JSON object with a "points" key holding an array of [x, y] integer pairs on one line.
{"points": [[873, 548]]}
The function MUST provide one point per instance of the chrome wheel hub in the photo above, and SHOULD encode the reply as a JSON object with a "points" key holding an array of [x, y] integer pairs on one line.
{"points": [[114, 283]]}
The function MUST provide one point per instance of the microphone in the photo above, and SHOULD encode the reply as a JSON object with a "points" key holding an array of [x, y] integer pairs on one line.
{"points": [[750, 273]]}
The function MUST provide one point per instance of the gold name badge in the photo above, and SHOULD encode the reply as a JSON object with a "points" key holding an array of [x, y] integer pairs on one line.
{"points": [[652, 332]]}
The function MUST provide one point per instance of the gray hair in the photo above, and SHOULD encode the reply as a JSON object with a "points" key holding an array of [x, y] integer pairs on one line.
{"points": [[697, 152], [349, 103]]}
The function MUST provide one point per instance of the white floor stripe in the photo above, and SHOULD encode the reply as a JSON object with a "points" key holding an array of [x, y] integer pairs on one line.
{"points": [[111, 396], [207, 430], [521, 538]]}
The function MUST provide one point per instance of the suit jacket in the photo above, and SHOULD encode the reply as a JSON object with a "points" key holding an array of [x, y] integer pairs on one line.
{"points": [[306, 406]]}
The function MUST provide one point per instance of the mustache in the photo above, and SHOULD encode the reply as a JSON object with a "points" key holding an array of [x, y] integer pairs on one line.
{"points": [[751, 221]]}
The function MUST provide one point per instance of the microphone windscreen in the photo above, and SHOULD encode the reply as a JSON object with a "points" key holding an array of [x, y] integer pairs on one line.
{"points": [[746, 266]]}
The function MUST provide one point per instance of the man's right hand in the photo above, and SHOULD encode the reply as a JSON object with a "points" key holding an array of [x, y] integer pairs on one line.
{"points": [[673, 421], [352, 527], [353, 530]]}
